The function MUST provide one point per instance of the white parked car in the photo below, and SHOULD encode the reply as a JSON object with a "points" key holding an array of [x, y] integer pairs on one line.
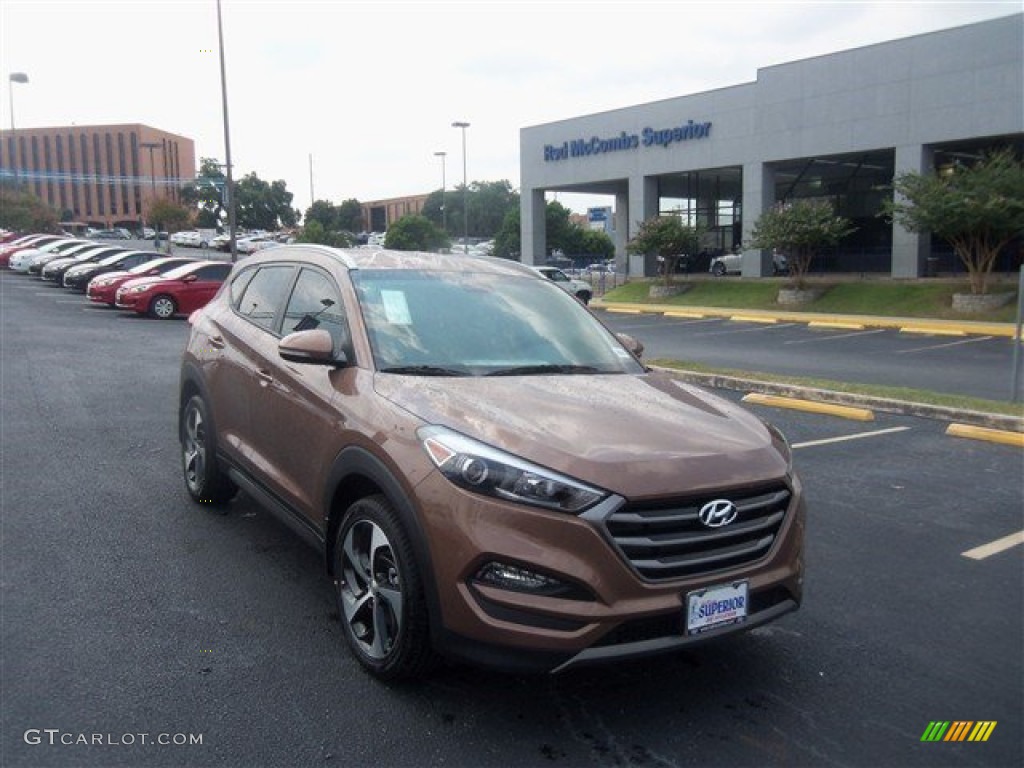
{"points": [[189, 238], [581, 290], [255, 243], [732, 264]]}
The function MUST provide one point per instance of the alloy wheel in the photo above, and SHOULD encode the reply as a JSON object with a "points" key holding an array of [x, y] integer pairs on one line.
{"points": [[371, 589]]}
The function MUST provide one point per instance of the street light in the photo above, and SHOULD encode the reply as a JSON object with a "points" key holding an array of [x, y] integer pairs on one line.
{"points": [[444, 211], [151, 145], [229, 191], [465, 188], [15, 77]]}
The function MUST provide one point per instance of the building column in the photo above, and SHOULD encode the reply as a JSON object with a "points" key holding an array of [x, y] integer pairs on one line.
{"points": [[620, 235], [909, 250], [642, 205], [758, 197], [533, 220]]}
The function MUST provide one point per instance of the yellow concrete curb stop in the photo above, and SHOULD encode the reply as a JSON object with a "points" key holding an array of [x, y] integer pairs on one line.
{"points": [[986, 434], [842, 411]]}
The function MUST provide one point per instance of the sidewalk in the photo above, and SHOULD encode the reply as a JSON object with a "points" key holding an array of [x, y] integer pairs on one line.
{"points": [[820, 320]]}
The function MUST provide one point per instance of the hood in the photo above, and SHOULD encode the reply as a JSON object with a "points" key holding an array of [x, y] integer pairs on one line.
{"points": [[641, 436]]}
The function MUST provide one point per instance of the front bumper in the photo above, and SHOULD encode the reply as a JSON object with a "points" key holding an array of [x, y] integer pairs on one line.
{"points": [[621, 615]]}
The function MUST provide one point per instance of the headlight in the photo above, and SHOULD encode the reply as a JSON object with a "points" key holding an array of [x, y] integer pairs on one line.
{"points": [[477, 467], [138, 289]]}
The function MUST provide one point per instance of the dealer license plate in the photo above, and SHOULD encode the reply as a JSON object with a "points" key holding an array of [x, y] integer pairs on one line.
{"points": [[716, 607]]}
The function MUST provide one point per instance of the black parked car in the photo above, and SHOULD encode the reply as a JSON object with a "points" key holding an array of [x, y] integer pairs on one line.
{"points": [[54, 271], [78, 276]]}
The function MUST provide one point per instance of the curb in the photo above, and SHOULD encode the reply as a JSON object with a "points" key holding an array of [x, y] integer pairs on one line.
{"points": [[818, 319], [991, 421]]}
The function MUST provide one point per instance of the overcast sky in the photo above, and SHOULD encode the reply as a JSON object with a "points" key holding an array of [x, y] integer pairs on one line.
{"points": [[370, 89]]}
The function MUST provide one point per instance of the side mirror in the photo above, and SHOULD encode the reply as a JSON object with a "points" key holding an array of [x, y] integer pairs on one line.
{"points": [[311, 347], [630, 343]]}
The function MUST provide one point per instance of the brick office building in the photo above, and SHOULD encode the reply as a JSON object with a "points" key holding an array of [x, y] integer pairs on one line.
{"points": [[105, 175]]}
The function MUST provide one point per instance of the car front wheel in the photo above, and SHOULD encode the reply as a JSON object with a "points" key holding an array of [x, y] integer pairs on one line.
{"points": [[380, 592], [718, 269], [204, 479], [163, 307]]}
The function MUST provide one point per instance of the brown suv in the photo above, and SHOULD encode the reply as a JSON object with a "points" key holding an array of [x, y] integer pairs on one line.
{"points": [[490, 473]]}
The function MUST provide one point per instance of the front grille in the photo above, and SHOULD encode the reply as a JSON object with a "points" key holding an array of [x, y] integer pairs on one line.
{"points": [[668, 541]]}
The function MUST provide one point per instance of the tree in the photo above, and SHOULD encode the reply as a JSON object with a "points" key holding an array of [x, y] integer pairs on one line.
{"points": [[488, 203], [416, 233], [263, 205], [350, 216], [24, 212], [508, 238], [977, 209], [324, 213], [799, 229], [667, 237], [207, 193], [313, 232], [168, 215]]}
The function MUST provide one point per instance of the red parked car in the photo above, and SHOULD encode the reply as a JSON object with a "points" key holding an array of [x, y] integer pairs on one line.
{"points": [[183, 290], [103, 288], [28, 241]]}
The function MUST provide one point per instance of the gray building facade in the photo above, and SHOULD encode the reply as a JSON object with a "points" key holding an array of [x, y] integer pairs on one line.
{"points": [[840, 126]]}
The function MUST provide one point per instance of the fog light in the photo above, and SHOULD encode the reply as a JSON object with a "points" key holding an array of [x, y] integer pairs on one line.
{"points": [[507, 576]]}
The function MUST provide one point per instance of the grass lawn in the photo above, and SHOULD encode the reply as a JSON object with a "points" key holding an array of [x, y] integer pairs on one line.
{"points": [[929, 298]]}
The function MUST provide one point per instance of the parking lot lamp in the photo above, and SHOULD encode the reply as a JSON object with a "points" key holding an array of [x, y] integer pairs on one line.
{"points": [[15, 77], [151, 145], [444, 212], [465, 188], [230, 193]]}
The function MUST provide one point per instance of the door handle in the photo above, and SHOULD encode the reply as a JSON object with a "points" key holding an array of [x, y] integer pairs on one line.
{"points": [[264, 377], [217, 341]]}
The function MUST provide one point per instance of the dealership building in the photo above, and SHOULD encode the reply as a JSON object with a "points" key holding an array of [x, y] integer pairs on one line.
{"points": [[840, 126]]}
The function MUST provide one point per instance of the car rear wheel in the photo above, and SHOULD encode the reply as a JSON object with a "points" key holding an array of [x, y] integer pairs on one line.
{"points": [[380, 592], [163, 307], [583, 296], [204, 479], [718, 269]]}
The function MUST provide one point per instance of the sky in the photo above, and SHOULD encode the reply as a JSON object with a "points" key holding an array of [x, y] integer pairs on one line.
{"points": [[352, 99]]}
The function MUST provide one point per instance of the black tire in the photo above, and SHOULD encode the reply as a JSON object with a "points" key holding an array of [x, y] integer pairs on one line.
{"points": [[718, 270], [205, 481], [584, 297], [380, 596], [163, 307]]}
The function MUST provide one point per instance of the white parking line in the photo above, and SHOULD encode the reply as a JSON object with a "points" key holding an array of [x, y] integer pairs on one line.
{"points": [[835, 336], [759, 329], [995, 547], [943, 346], [845, 438]]}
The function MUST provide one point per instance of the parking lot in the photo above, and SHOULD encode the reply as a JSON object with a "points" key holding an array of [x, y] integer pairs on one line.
{"points": [[127, 610], [977, 365]]}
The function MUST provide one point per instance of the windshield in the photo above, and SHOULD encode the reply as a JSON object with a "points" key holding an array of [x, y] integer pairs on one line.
{"points": [[470, 324]]}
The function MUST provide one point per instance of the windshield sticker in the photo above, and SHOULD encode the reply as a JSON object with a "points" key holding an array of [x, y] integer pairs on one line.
{"points": [[396, 310]]}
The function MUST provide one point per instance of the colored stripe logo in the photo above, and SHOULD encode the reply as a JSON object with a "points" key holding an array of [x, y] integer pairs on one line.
{"points": [[958, 730]]}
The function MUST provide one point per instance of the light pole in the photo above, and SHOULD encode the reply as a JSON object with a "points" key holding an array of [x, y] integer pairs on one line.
{"points": [[151, 145], [227, 141], [465, 189], [15, 77], [444, 187]]}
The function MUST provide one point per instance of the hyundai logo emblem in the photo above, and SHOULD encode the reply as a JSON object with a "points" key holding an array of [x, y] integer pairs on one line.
{"points": [[717, 513]]}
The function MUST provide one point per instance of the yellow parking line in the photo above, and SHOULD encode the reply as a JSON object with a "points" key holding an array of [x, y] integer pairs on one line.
{"points": [[753, 319], [932, 331], [995, 547], [843, 411], [984, 433], [837, 326], [694, 315]]}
